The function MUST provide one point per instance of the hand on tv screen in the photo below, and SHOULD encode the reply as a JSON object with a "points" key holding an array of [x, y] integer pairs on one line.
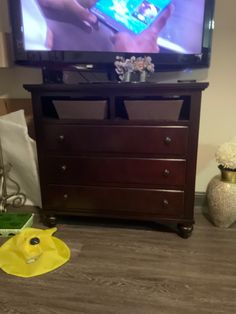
{"points": [[69, 11], [112, 26], [145, 41]]}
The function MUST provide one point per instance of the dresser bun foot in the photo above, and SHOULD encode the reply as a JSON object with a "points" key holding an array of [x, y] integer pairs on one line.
{"points": [[50, 221], [185, 230]]}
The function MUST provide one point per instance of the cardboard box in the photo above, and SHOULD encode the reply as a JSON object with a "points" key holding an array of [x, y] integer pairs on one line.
{"points": [[5, 50], [3, 107], [14, 104]]}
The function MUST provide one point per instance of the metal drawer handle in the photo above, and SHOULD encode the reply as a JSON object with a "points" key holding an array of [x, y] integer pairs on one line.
{"points": [[63, 168], [165, 203], [166, 173], [61, 138], [167, 140], [65, 196]]}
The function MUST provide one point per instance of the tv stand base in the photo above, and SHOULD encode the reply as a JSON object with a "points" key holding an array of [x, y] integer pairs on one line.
{"points": [[76, 74]]}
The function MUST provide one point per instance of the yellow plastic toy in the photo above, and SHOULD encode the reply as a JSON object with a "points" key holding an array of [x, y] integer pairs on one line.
{"points": [[33, 252]]}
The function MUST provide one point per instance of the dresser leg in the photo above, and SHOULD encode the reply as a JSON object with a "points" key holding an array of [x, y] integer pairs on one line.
{"points": [[185, 230]]}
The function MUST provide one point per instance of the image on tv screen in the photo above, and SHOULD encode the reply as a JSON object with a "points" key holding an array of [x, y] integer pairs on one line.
{"points": [[133, 26]]}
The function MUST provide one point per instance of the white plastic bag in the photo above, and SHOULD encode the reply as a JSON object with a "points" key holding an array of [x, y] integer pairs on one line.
{"points": [[20, 151]]}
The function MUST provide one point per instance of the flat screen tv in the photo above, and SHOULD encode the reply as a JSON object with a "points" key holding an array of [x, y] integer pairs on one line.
{"points": [[177, 34]]}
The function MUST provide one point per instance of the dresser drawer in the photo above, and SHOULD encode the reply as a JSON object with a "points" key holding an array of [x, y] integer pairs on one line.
{"points": [[118, 202], [75, 139], [115, 171]]}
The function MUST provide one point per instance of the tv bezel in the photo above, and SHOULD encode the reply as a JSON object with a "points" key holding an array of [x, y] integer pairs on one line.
{"points": [[163, 61]]}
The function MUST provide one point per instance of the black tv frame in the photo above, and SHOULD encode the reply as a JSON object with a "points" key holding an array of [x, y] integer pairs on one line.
{"points": [[103, 60]]}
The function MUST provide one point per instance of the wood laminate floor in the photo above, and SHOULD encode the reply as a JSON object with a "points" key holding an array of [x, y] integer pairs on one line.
{"points": [[133, 269]]}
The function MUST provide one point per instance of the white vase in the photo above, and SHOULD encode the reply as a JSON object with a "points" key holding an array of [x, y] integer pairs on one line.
{"points": [[127, 76], [221, 199], [135, 76], [143, 76]]}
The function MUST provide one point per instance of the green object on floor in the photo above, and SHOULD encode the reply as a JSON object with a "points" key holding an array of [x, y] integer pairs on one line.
{"points": [[13, 223]]}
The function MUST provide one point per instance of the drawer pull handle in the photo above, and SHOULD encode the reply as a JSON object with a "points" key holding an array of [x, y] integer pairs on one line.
{"points": [[65, 196], [61, 138], [167, 140], [166, 173], [165, 203], [63, 168]]}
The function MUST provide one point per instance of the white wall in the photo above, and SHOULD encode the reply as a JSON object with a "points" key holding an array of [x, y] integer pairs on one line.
{"points": [[12, 79], [218, 113]]}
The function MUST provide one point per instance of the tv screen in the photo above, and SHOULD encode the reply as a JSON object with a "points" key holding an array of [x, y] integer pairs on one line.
{"points": [[175, 33]]}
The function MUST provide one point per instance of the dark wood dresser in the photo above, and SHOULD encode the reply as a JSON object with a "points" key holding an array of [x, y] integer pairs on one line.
{"points": [[118, 150]]}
